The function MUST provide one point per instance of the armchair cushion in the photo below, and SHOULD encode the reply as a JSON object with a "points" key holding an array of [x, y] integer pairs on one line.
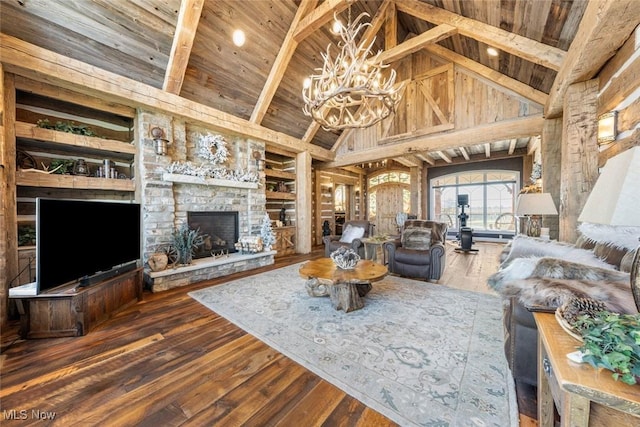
{"points": [[350, 233], [417, 238]]}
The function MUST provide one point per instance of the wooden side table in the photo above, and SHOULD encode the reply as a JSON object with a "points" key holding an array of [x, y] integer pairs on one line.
{"points": [[583, 395], [371, 248]]}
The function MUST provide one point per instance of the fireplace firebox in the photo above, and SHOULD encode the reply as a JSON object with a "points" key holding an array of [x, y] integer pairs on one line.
{"points": [[220, 231]]}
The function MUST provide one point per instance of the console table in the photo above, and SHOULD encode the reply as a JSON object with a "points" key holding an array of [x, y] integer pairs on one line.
{"points": [[583, 395], [70, 311]]}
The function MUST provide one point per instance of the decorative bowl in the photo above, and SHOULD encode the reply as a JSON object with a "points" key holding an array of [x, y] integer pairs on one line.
{"points": [[345, 258]]}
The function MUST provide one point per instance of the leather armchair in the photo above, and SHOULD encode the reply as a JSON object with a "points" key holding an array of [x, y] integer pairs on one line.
{"points": [[410, 260], [332, 242]]}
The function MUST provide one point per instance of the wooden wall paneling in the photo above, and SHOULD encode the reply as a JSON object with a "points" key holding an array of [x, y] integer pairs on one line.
{"points": [[304, 203], [551, 152], [579, 168], [9, 246]]}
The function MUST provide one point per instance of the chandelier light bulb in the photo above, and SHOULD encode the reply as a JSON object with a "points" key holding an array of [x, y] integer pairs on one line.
{"points": [[238, 38], [337, 26], [307, 83]]}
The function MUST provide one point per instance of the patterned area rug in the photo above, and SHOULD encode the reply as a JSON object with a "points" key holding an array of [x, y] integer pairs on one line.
{"points": [[422, 354]]}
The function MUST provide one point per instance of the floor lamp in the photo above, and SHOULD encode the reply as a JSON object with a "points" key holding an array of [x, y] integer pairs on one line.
{"points": [[533, 206], [615, 202]]}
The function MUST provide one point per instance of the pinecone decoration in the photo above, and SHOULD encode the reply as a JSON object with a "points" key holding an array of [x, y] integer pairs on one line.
{"points": [[576, 307]]}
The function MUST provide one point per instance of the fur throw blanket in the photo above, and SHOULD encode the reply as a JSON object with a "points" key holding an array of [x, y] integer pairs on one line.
{"points": [[525, 246], [549, 282], [616, 236], [552, 293]]}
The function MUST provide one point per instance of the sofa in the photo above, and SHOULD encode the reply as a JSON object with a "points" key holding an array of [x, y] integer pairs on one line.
{"points": [[419, 252], [352, 234], [541, 275]]}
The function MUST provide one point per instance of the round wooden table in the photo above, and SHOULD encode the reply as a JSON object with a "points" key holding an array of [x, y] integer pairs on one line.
{"points": [[346, 288]]}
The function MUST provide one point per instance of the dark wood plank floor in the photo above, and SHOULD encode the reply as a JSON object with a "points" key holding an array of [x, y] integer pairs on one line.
{"points": [[170, 361]]}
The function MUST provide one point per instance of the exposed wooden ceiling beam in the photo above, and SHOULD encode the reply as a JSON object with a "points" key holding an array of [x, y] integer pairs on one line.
{"points": [[533, 145], [188, 19], [531, 50], [416, 43], [604, 27], [444, 156], [39, 64], [280, 64], [318, 17], [481, 157], [512, 145], [464, 152], [426, 158], [391, 28], [497, 131], [408, 160], [498, 78], [487, 150]]}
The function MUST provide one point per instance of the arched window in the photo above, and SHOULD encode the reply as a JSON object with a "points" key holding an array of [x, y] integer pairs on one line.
{"points": [[492, 199], [389, 178]]}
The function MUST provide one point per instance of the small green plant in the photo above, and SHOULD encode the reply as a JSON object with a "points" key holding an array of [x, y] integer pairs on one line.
{"points": [[184, 242], [26, 235], [69, 127], [61, 166], [612, 341]]}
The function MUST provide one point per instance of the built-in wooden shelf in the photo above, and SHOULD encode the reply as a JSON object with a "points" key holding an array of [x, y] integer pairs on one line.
{"points": [[214, 182], [51, 180], [48, 136], [280, 174], [280, 195]]}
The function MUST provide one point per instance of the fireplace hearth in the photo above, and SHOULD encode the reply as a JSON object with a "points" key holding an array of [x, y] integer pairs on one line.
{"points": [[220, 231]]}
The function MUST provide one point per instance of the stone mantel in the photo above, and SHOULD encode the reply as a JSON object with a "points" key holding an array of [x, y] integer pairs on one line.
{"points": [[213, 182]]}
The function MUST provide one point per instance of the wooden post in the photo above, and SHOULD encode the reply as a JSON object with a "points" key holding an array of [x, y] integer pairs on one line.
{"points": [[416, 192], [303, 203], [579, 159], [8, 229], [551, 152]]}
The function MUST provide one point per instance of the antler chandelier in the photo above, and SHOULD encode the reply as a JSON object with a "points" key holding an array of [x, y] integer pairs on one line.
{"points": [[351, 92]]}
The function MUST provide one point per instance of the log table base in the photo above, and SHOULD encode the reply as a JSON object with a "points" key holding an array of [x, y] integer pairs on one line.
{"points": [[345, 288]]}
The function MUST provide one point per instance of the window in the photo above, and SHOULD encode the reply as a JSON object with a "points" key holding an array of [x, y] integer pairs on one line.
{"points": [[492, 198]]}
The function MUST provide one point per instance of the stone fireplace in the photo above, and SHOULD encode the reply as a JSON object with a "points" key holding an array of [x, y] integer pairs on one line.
{"points": [[222, 209], [220, 231]]}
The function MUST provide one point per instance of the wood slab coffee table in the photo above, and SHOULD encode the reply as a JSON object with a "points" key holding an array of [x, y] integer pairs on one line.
{"points": [[346, 288]]}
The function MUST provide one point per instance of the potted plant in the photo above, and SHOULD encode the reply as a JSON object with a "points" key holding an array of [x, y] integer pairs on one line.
{"points": [[612, 341], [184, 241]]}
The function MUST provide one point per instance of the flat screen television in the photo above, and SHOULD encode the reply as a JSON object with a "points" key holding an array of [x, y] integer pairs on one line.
{"points": [[84, 241]]}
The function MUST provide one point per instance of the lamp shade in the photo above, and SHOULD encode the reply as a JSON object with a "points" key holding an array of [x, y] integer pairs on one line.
{"points": [[535, 204], [615, 199]]}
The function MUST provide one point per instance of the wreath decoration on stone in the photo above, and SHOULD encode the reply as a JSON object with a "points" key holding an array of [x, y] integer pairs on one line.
{"points": [[213, 148]]}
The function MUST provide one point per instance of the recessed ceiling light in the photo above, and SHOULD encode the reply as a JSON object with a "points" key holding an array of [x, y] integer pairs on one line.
{"points": [[238, 38], [492, 51]]}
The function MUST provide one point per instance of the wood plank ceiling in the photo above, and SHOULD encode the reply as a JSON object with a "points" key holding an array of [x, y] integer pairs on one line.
{"points": [[261, 81]]}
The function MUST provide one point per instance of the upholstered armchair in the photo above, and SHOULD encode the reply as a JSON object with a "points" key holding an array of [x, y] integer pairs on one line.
{"points": [[420, 251], [352, 232]]}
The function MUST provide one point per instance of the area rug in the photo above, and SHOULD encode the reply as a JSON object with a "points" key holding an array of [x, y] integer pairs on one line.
{"points": [[422, 354]]}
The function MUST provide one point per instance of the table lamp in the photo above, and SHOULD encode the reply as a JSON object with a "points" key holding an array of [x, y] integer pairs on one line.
{"points": [[533, 205], [615, 202]]}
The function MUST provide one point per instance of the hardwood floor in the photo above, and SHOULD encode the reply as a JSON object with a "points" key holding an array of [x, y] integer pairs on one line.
{"points": [[170, 361]]}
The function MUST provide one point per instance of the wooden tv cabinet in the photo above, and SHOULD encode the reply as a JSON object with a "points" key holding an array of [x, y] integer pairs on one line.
{"points": [[71, 311]]}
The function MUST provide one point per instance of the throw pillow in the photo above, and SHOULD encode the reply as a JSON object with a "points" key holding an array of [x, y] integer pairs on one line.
{"points": [[417, 238], [351, 233]]}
